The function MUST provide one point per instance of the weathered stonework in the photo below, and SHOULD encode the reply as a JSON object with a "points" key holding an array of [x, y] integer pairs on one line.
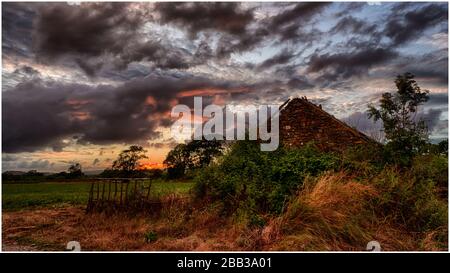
{"points": [[302, 122]]}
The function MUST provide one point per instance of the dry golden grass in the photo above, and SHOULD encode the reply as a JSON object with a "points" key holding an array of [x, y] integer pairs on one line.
{"points": [[177, 227], [332, 214]]}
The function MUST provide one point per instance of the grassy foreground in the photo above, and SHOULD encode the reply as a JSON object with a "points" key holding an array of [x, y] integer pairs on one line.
{"points": [[332, 212]]}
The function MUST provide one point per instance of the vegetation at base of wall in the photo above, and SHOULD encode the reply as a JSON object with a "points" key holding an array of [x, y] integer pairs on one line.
{"points": [[260, 181]]}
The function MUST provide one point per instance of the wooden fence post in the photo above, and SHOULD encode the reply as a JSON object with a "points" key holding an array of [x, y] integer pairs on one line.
{"points": [[103, 191], [121, 187], [91, 195], [148, 191], [129, 194], [126, 191], [109, 190], [98, 191]]}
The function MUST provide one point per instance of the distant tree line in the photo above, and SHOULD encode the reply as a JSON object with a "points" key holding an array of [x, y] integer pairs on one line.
{"points": [[73, 172]]}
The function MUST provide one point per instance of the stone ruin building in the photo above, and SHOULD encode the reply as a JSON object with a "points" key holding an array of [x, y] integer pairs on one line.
{"points": [[303, 122]]}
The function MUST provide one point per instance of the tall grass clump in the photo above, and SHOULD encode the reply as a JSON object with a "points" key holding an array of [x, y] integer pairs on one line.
{"points": [[434, 168], [409, 200], [363, 161], [329, 212]]}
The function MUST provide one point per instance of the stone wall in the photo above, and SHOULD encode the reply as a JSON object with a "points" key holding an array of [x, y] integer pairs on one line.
{"points": [[302, 121]]}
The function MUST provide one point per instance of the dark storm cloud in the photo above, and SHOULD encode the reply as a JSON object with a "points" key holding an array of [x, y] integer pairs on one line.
{"points": [[100, 32], [238, 30], [349, 7], [431, 118], [195, 17], [17, 22], [432, 66], [366, 46], [437, 75], [39, 114], [294, 81], [302, 12], [300, 82], [404, 27], [283, 57], [346, 65], [35, 116], [93, 35], [204, 52], [89, 68], [290, 24], [228, 44], [438, 99], [361, 122], [352, 25], [229, 20], [88, 29], [26, 70], [163, 56]]}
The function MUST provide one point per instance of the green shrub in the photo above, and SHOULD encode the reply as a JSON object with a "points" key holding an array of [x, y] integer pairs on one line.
{"points": [[432, 167], [363, 160], [260, 181], [151, 236]]}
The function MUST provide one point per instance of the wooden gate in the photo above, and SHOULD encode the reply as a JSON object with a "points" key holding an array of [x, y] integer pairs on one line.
{"points": [[112, 194]]}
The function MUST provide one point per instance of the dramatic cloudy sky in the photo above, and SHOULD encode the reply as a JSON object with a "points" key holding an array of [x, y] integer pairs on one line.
{"points": [[82, 81]]}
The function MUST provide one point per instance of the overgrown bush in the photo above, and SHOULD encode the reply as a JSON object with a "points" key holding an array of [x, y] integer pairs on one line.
{"points": [[363, 160], [262, 182], [432, 167]]}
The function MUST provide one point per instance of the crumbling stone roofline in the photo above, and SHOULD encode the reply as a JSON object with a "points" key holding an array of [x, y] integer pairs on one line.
{"points": [[325, 134]]}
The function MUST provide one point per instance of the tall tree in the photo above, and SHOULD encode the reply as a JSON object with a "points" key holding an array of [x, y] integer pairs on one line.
{"points": [[75, 170], [195, 154], [177, 161], [128, 160], [202, 152], [405, 134]]}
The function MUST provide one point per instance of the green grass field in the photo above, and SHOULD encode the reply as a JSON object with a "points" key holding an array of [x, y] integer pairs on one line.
{"points": [[29, 195]]}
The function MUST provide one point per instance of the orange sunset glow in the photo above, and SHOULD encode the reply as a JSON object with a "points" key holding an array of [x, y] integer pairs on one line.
{"points": [[151, 165]]}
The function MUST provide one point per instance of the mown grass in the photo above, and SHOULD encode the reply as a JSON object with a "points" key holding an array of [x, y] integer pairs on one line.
{"points": [[30, 195]]}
